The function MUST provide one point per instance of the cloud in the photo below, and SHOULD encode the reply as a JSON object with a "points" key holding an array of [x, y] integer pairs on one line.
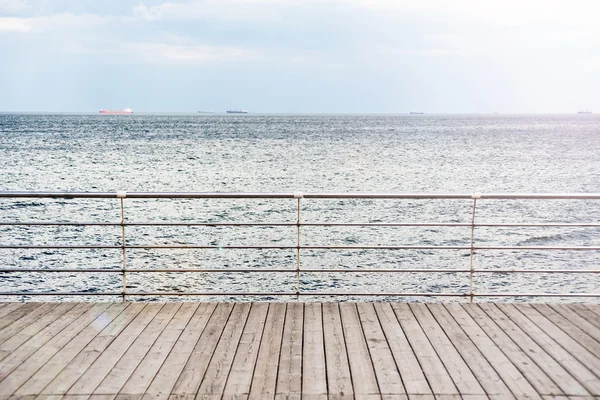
{"points": [[501, 12], [504, 12], [148, 14], [14, 25], [215, 10], [61, 22], [13, 5], [71, 21], [319, 32], [163, 53], [427, 52]]}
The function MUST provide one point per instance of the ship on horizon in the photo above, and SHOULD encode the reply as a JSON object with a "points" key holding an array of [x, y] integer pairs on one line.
{"points": [[125, 111], [237, 112], [584, 112]]}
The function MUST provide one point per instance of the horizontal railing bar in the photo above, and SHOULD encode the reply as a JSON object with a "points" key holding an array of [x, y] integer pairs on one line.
{"points": [[295, 294], [294, 224], [162, 270], [566, 248], [292, 195], [539, 271], [60, 223], [147, 224], [223, 294], [425, 196], [288, 270], [537, 294], [371, 294], [227, 294], [241, 224], [416, 294], [532, 225], [283, 247], [61, 294], [146, 195]]}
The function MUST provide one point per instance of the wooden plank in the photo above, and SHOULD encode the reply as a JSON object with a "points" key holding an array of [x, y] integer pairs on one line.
{"points": [[386, 371], [314, 376], [98, 397], [526, 346], [36, 327], [553, 369], [42, 330], [15, 353], [264, 380], [242, 368], [220, 365], [565, 333], [366, 397], [85, 349], [572, 326], [438, 377], [448, 397], [582, 323], [584, 312], [361, 365], [71, 397], [17, 314], [27, 368], [141, 378], [289, 377], [288, 396], [410, 371], [510, 374], [593, 307], [22, 318], [576, 358], [122, 370], [189, 342], [101, 367], [462, 376], [409, 397], [69, 351], [192, 374], [486, 375], [486, 361], [7, 308], [518, 357], [339, 382]]}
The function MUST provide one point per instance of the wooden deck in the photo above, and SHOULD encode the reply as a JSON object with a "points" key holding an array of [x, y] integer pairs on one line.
{"points": [[181, 351]]}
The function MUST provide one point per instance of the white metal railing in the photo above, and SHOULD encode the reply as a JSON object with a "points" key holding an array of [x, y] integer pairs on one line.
{"points": [[298, 247]]}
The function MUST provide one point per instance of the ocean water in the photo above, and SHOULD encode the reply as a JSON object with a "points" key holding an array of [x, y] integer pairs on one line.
{"points": [[309, 153]]}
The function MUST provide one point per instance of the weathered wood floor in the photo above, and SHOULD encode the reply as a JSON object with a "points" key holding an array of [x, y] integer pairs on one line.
{"points": [[382, 351]]}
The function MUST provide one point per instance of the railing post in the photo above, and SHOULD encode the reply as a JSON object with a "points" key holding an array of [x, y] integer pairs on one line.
{"points": [[298, 195], [121, 196], [475, 196]]}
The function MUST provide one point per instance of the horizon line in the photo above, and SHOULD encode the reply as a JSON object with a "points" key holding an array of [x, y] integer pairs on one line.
{"points": [[314, 113]]}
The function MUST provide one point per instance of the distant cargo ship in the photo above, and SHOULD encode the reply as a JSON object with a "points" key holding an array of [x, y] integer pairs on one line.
{"points": [[584, 112], [237, 112], [417, 112], [125, 111]]}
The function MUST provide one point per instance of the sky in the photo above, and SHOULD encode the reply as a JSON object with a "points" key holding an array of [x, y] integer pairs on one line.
{"points": [[300, 56]]}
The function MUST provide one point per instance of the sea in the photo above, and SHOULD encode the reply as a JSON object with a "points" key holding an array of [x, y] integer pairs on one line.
{"points": [[218, 153]]}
